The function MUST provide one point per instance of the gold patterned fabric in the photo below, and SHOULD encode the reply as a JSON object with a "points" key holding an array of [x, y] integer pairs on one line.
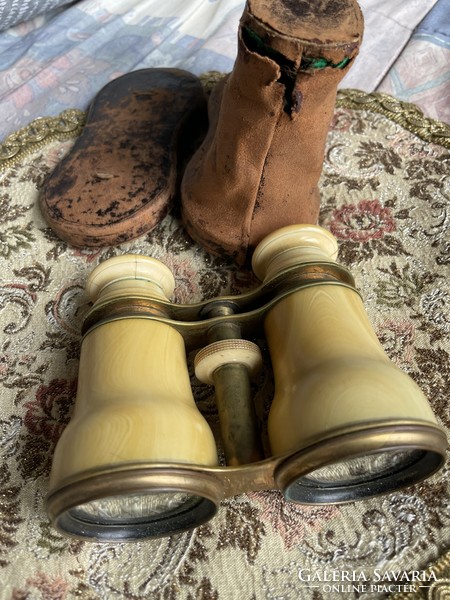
{"points": [[386, 196]]}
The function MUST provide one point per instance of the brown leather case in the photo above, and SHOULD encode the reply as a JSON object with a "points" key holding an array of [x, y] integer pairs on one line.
{"points": [[119, 178]]}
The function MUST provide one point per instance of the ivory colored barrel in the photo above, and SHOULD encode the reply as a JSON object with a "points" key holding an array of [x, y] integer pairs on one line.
{"points": [[134, 402], [330, 369]]}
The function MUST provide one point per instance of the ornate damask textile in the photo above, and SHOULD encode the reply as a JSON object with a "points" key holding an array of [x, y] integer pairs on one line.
{"points": [[386, 196]]}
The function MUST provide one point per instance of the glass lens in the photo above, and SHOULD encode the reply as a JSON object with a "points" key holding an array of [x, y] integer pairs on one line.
{"points": [[363, 468], [135, 508], [358, 477]]}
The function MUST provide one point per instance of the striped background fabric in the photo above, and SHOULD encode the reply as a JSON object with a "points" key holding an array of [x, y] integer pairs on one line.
{"points": [[16, 11]]}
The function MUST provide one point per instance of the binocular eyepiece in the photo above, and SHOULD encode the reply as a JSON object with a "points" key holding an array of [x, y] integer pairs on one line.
{"points": [[139, 460]]}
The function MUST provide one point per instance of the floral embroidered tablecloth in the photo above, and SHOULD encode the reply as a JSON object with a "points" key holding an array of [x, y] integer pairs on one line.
{"points": [[386, 196]]}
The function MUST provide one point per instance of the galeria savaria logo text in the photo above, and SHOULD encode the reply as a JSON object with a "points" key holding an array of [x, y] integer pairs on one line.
{"points": [[364, 582]]}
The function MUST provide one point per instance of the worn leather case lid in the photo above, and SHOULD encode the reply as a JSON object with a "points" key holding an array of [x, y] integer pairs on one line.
{"points": [[118, 180]]}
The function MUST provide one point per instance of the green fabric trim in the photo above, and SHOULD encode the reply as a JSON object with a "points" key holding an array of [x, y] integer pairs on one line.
{"points": [[322, 63], [257, 45]]}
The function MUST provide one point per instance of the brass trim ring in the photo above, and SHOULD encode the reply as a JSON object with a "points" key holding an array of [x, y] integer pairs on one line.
{"points": [[211, 485]]}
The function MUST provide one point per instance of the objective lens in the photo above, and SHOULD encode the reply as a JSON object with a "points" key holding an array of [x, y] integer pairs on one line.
{"points": [[135, 508], [136, 516], [362, 468], [358, 477]]}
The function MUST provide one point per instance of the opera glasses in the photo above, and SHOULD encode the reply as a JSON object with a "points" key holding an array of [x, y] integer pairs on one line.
{"points": [[138, 459]]}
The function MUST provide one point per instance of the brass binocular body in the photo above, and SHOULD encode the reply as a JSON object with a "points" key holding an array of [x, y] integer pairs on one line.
{"points": [[139, 460]]}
